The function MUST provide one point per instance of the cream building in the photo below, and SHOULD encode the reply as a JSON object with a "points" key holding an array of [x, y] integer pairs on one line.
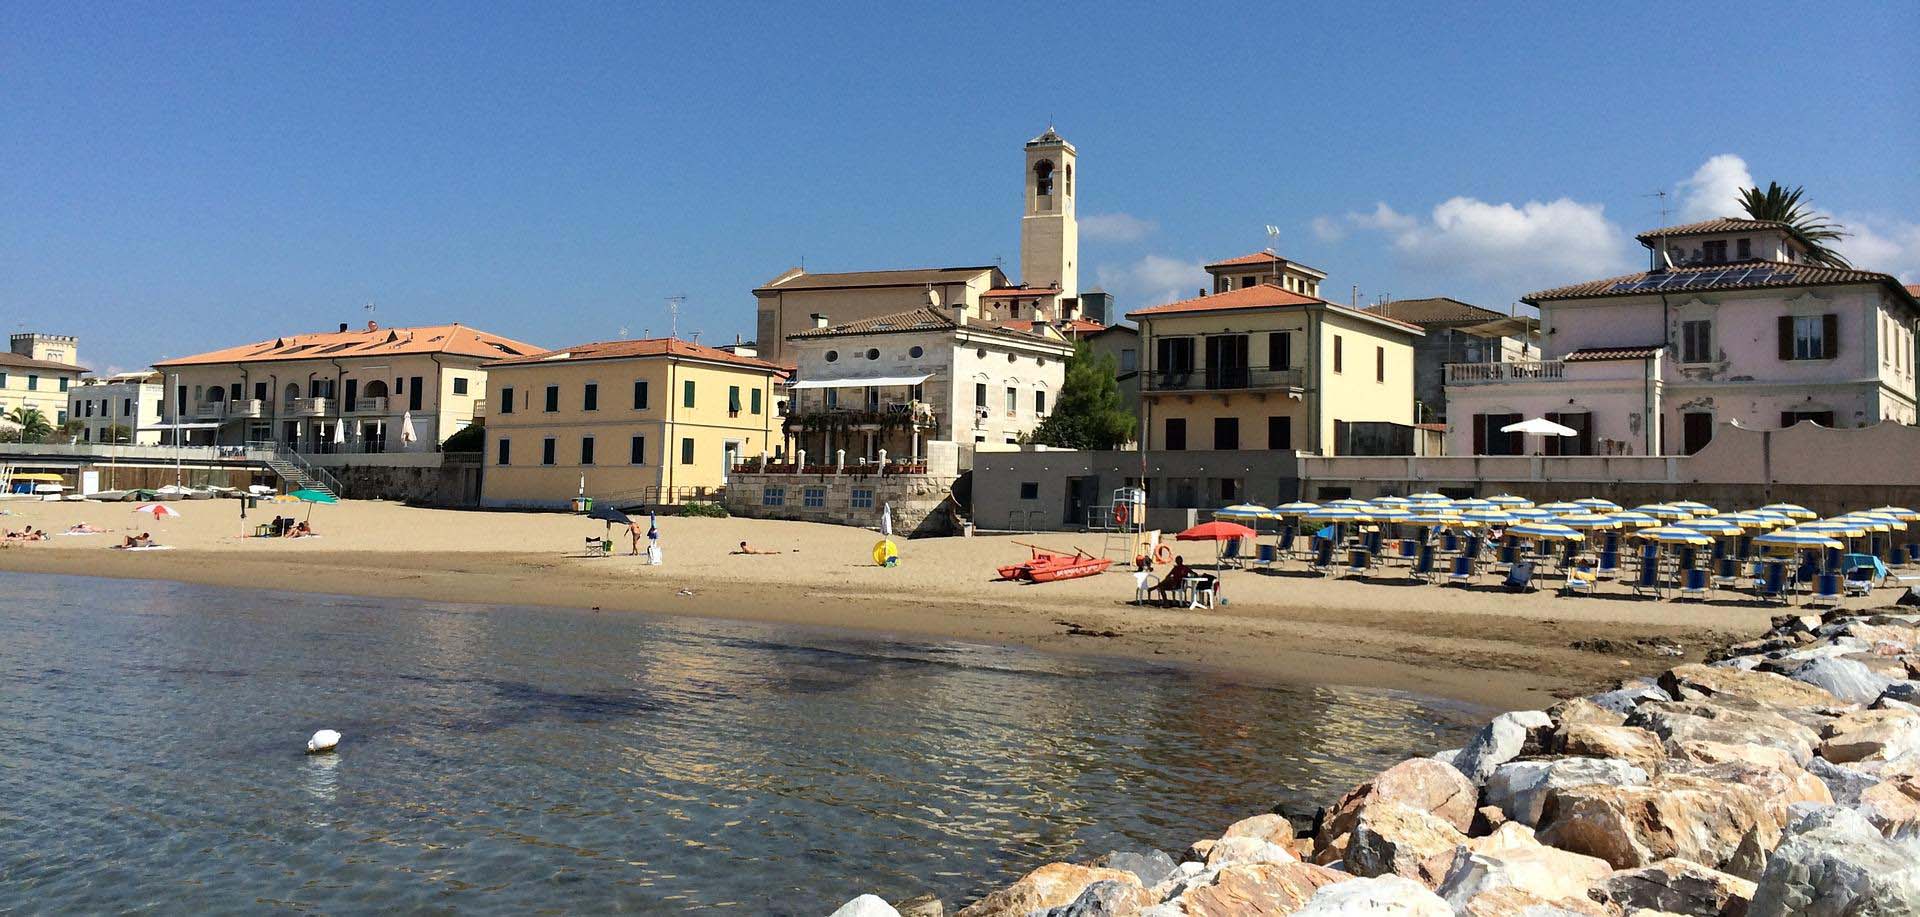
{"points": [[642, 422], [337, 391], [797, 301], [37, 371], [122, 408], [897, 382], [1263, 367]]}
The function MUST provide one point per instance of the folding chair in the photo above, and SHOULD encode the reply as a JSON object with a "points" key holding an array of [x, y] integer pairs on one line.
{"points": [[1609, 565], [1519, 577], [1773, 582], [1509, 555], [1409, 549], [1201, 591], [1142, 589], [1462, 571], [1647, 581], [1726, 573], [1230, 556], [1266, 555], [1450, 543], [1570, 555], [1693, 584], [1322, 555], [1423, 564], [1358, 561], [1580, 579], [1860, 580], [1827, 590]]}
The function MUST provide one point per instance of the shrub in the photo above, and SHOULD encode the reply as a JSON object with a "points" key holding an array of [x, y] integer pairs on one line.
{"points": [[704, 510]]}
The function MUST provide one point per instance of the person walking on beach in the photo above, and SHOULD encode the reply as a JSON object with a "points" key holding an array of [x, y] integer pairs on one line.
{"points": [[633, 534]]}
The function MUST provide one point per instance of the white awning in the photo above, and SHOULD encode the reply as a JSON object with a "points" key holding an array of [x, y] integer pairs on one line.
{"points": [[862, 383], [188, 426]]}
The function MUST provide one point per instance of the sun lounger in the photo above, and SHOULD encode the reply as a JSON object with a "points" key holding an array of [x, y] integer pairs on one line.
{"points": [[1827, 590], [1773, 582], [1266, 555], [1519, 577], [1423, 563], [1580, 579], [1358, 561], [1693, 584], [1462, 571], [1322, 556], [1859, 580], [1647, 582], [1609, 565]]}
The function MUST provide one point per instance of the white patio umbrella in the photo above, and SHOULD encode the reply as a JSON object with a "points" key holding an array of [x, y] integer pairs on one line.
{"points": [[339, 434], [886, 520], [1539, 426], [407, 435]]}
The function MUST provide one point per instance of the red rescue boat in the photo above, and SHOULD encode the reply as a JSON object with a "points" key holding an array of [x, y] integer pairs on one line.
{"points": [[1048, 566]]}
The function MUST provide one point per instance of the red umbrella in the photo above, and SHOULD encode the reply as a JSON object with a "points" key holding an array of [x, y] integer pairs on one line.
{"points": [[1216, 531]]}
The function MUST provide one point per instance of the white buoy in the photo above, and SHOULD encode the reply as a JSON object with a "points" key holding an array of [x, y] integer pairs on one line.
{"points": [[322, 741]]}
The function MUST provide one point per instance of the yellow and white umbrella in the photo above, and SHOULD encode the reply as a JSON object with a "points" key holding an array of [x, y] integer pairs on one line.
{"points": [[1289, 510], [1711, 526], [1898, 512], [1695, 507], [1509, 501], [1590, 521], [1663, 511], [1791, 510], [1546, 531], [1796, 539], [1673, 534], [1562, 508], [1635, 518], [1599, 505]]}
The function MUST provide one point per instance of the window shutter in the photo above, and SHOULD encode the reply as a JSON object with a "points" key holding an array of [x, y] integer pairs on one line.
{"points": [[1786, 337], [1552, 442], [1830, 334], [1479, 434]]}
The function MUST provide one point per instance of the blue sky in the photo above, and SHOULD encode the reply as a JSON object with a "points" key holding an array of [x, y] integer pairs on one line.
{"points": [[176, 177]]}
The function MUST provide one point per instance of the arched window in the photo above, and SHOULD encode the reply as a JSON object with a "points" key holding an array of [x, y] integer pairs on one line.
{"points": [[1043, 177], [1069, 179]]}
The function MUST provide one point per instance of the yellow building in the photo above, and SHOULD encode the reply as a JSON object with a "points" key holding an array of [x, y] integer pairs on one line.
{"points": [[36, 373], [1264, 367], [359, 390], [649, 421]]}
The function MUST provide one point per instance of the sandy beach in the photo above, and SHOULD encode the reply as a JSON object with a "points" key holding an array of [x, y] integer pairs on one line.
{"points": [[1478, 645]]}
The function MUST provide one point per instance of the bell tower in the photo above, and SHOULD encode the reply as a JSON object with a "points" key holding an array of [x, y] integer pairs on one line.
{"points": [[1049, 233]]}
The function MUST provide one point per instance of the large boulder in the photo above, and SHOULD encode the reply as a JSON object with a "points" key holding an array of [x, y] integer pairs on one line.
{"points": [[1847, 679], [1388, 896], [866, 906], [1548, 872], [1520, 788], [1268, 827], [1726, 723], [1701, 751], [1105, 898], [1871, 734], [1255, 888], [1893, 805], [1508, 901], [1230, 850], [1393, 839], [1582, 710], [1845, 784], [1711, 822], [1628, 743], [1677, 886], [1779, 787], [1832, 863], [1150, 866], [1418, 783], [1502, 740], [1703, 682], [1623, 700], [1049, 886]]}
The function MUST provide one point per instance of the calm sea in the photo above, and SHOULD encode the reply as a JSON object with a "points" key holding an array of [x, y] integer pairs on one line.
{"points": [[508, 759]]}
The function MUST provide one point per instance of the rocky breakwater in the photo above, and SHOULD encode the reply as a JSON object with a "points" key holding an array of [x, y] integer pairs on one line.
{"points": [[1781, 777]]}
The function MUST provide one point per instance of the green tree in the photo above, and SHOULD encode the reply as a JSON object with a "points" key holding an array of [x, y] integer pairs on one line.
{"points": [[34, 426], [117, 433], [68, 432], [1783, 206], [1089, 413]]}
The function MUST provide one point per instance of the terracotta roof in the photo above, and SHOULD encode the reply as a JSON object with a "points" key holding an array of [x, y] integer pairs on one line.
{"points": [[638, 349], [1598, 354], [1739, 275], [455, 339], [1071, 326], [1262, 296], [1722, 224], [925, 318], [11, 360], [1913, 289], [1261, 258], [1435, 310], [1020, 291], [911, 277]]}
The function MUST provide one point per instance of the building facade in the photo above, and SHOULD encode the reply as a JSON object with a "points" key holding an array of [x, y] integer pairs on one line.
{"points": [[122, 408], [1265, 267], [1262, 367], [339, 391], [1730, 323], [647, 421], [897, 382], [1456, 332], [37, 371]]}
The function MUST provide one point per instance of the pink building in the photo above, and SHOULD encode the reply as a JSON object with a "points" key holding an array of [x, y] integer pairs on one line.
{"points": [[1731, 322]]}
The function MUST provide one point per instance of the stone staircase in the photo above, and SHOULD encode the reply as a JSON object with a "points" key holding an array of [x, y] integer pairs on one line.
{"points": [[295, 470]]}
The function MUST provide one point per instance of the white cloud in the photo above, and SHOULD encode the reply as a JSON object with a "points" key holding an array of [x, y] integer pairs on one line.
{"points": [[1512, 248], [1153, 280], [1714, 190], [1329, 229], [1115, 227], [1888, 246]]}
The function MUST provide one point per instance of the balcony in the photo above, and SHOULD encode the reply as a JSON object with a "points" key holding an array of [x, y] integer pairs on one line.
{"points": [[210, 410], [890, 415], [1225, 379], [367, 406], [306, 407], [1501, 373], [246, 408], [479, 407]]}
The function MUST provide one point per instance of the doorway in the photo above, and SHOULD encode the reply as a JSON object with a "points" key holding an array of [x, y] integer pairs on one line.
{"points": [[1083, 497], [1696, 431]]}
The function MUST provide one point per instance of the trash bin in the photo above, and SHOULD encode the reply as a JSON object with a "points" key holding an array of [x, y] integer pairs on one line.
{"points": [[583, 504]]}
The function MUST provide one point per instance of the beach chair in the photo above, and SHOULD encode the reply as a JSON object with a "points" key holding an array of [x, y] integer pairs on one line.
{"points": [[1409, 550], [1726, 573], [1450, 543], [1462, 571], [1201, 591], [1859, 580], [1773, 582], [1689, 557], [1519, 577], [1743, 547], [1570, 555], [1832, 560], [1359, 560], [1142, 586], [1509, 555], [1423, 564], [1230, 555], [1693, 584], [1322, 555], [1609, 565], [1611, 542], [1647, 581], [1827, 590], [1579, 579], [1266, 555]]}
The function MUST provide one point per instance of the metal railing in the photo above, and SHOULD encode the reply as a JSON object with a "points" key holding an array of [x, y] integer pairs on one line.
{"points": [[374, 404], [273, 451], [306, 407], [1494, 373], [1223, 379]]}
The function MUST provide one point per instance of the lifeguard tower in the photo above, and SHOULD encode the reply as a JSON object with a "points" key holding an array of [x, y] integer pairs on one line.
{"points": [[1128, 537]]}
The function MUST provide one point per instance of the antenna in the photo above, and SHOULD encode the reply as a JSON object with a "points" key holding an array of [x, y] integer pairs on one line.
{"points": [[623, 332], [673, 314], [1662, 195], [1273, 237], [370, 309]]}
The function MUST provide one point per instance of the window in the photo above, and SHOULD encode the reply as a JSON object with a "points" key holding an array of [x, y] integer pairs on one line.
{"points": [[586, 450], [754, 402], [1581, 443], [1043, 178], [505, 449], [33, 382], [640, 394], [259, 392], [1246, 282], [979, 394], [1280, 433], [63, 384], [1714, 252], [1176, 436], [459, 385], [1823, 418], [863, 498], [733, 401], [1696, 341], [773, 496], [871, 395], [506, 400], [1279, 350], [1173, 359], [1338, 353], [1129, 360], [637, 450], [1745, 247], [831, 398], [1488, 438], [553, 398], [415, 392], [686, 450], [916, 351], [126, 406], [1379, 364], [1226, 433], [873, 353], [1029, 490], [590, 397], [1039, 404], [814, 497], [1229, 490], [547, 451], [833, 356], [1809, 337], [1013, 401], [1696, 430], [686, 394]]}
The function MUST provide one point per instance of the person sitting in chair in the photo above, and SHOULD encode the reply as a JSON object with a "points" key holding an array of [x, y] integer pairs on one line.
{"points": [[1175, 579]]}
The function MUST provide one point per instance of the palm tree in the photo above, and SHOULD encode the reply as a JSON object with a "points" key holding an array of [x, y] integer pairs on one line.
{"points": [[34, 426], [1783, 206]]}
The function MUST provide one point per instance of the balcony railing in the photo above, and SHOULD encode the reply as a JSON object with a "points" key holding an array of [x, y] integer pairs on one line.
{"points": [[246, 407], [210, 410], [479, 407], [1224, 379], [376, 404], [306, 407], [1496, 373], [893, 414]]}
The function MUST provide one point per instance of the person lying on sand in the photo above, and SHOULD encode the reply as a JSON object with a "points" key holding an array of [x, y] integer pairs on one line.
{"points": [[299, 530], [747, 549], [28, 534], [142, 540], [82, 528]]}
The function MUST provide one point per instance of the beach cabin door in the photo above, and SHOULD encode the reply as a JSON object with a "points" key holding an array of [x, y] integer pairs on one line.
{"points": [[729, 455]]}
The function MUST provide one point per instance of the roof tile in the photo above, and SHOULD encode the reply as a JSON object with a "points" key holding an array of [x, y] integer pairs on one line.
{"points": [[1600, 354], [642, 347], [1781, 274], [1720, 224], [455, 339], [1435, 310]]}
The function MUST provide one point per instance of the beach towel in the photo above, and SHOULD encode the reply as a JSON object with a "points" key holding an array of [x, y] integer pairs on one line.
{"points": [[151, 547]]}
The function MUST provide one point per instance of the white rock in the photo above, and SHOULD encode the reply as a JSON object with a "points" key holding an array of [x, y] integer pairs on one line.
{"points": [[1499, 742], [866, 906], [1379, 895], [1520, 788], [1833, 863], [322, 741], [1548, 872]]}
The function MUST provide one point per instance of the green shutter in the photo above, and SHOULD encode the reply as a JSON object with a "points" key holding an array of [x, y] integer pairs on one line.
{"points": [[686, 399], [733, 399], [756, 401]]}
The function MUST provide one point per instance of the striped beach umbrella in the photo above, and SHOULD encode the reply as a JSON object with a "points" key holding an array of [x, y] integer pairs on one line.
{"points": [[1750, 521], [1546, 531], [1869, 523], [1836, 528], [1509, 501], [1389, 513], [1599, 505], [1590, 522], [1889, 518], [1529, 513], [1391, 501], [1562, 508], [1488, 516], [1339, 514], [1695, 507], [1242, 511], [1421, 518], [1898, 512], [1795, 539], [1711, 526], [1635, 518], [1348, 501], [1429, 497], [1296, 508], [1791, 510], [1663, 511], [1673, 534], [1473, 503]]}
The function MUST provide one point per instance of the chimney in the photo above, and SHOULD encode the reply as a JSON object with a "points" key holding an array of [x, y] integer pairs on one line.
{"points": [[343, 327], [960, 315], [819, 320]]}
